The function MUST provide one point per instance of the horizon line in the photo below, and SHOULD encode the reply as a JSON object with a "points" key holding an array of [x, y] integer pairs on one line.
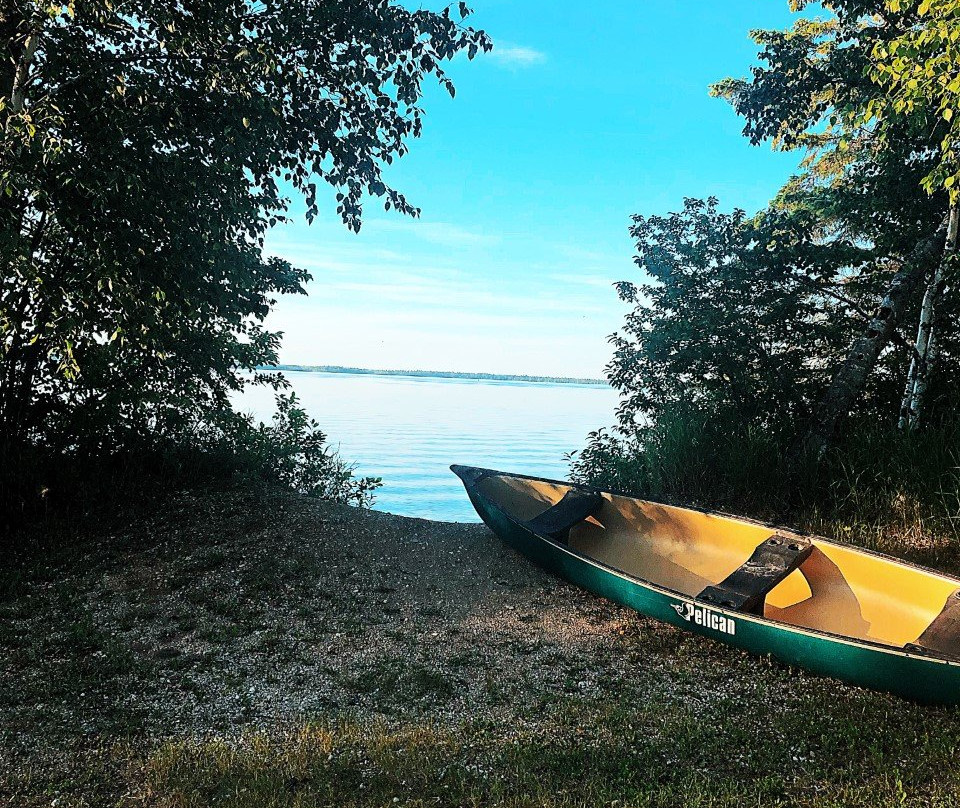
{"points": [[479, 375]]}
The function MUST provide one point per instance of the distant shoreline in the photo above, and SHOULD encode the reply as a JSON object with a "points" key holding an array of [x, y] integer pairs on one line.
{"points": [[437, 374]]}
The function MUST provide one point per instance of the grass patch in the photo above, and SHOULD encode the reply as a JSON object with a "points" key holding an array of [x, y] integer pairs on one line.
{"points": [[399, 681], [116, 681], [586, 753]]}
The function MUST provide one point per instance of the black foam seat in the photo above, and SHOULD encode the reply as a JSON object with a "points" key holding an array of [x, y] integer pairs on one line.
{"points": [[942, 636], [746, 588], [573, 508]]}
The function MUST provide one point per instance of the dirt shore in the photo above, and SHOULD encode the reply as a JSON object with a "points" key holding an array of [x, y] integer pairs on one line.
{"points": [[246, 610]]}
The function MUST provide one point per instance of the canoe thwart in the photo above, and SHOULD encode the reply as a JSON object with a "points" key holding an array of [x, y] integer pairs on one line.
{"points": [[557, 520], [746, 588], [942, 636]]}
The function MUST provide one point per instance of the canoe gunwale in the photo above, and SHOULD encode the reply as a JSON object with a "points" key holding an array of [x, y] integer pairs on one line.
{"points": [[471, 484]]}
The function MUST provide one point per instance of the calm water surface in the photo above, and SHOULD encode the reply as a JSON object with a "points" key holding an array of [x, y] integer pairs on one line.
{"points": [[409, 430]]}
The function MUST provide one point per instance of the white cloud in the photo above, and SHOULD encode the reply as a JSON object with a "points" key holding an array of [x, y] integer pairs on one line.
{"points": [[517, 55], [443, 233], [449, 296], [577, 279]]}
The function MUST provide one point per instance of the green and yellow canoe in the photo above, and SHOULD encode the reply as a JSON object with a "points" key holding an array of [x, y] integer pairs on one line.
{"points": [[835, 610]]}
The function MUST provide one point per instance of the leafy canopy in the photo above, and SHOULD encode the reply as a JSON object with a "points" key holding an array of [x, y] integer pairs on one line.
{"points": [[740, 322], [919, 70], [145, 149]]}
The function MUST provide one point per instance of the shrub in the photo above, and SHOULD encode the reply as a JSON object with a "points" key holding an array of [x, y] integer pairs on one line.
{"points": [[880, 487], [125, 465], [291, 451]]}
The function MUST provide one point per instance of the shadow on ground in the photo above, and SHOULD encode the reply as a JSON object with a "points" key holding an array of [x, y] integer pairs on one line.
{"points": [[253, 647]]}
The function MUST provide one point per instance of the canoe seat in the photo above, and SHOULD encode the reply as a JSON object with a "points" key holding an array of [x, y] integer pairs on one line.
{"points": [[746, 588], [942, 636], [557, 520]]}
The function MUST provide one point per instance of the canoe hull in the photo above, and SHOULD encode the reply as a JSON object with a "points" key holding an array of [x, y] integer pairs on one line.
{"points": [[921, 679]]}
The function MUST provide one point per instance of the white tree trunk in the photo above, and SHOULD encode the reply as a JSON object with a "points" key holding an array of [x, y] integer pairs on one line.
{"points": [[21, 78], [848, 379], [907, 402], [918, 378]]}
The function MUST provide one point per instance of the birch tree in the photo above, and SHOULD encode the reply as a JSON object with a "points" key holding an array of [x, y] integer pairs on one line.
{"points": [[849, 380], [924, 357], [821, 92], [919, 69]]}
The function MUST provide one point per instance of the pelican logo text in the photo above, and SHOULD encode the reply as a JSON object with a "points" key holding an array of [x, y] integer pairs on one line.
{"points": [[705, 617]]}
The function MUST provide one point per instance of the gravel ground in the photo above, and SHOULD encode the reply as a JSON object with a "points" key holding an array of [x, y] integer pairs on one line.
{"points": [[240, 609]]}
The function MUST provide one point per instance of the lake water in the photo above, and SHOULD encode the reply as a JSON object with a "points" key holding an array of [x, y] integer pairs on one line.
{"points": [[408, 430]]}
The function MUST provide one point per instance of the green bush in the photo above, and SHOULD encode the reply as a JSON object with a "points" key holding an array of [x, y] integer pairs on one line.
{"points": [[127, 465], [686, 457], [880, 486], [291, 451]]}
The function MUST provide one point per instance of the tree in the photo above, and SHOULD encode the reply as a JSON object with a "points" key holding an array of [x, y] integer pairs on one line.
{"points": [[923, 361], [917, 65], [851, 377], [740, 319], [755, 337], [146, 149], [917, 68], [819, 91]]}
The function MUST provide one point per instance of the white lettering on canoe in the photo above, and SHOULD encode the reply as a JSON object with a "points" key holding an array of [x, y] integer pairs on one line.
{"points": [[705, 617]]}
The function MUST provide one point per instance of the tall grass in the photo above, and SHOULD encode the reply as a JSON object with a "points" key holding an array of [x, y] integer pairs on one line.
{"points": [[881, 487]]}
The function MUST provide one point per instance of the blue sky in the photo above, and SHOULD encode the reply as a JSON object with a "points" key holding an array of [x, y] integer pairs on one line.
{"points": [[584, 114]]}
